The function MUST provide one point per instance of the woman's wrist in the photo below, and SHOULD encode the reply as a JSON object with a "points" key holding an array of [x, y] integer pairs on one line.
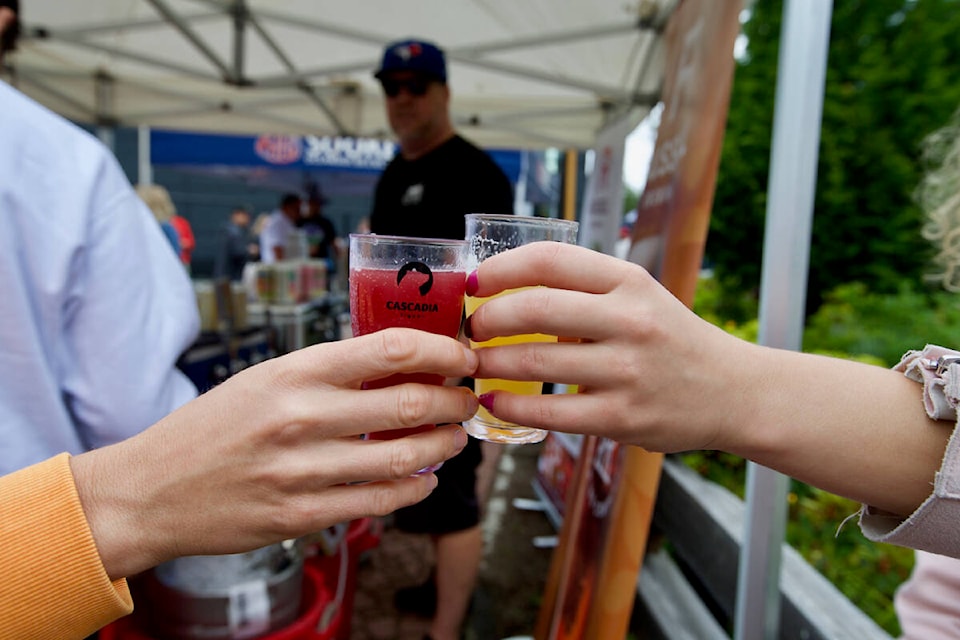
{"points": [[107, 493]]}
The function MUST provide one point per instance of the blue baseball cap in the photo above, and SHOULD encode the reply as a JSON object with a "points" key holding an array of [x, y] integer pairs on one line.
{"points": [[414, 55]]}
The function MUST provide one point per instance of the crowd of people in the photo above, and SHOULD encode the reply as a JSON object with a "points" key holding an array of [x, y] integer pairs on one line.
{"points": [[111, 464]]}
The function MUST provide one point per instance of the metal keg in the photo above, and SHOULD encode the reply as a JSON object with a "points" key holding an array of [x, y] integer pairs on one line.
{"points": [[229, 597]]}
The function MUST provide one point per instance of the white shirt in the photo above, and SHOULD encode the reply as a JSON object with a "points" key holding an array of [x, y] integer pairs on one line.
{"points": [[95, 308], [276, 233]]}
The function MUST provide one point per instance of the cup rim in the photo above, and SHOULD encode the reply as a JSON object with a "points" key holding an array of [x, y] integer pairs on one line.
{"points": [[388, 239], [534, 220]]}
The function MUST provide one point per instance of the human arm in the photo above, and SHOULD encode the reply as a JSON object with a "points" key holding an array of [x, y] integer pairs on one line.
{"points": [[655, 375], [267, 454], [54, 585], [270, 454], [129, 312]]}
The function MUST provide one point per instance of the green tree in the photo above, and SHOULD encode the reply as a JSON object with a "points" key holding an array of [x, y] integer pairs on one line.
{"points": [[893, 77]]}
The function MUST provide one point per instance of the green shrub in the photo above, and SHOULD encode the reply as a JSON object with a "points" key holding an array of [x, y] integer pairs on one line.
{"points": [[855, 320]]}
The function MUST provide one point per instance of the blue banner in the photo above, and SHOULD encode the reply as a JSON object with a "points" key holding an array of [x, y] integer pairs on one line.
{"points": [[276, 151], [338, 153]]}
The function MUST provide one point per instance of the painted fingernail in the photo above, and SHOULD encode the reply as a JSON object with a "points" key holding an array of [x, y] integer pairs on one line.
{"points": [[468, 327], [472, 283], [486, 401]]}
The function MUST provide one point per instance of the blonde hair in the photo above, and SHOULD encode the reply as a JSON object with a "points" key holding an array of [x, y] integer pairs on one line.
{"points": [[159, 201], [260, 222], [939, 196]]}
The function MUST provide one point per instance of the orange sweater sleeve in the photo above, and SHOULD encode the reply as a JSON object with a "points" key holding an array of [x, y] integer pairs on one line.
{"points": [[52, 583]]}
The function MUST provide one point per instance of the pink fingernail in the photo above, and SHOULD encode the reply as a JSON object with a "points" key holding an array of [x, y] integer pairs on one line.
{"points": [[486, 401], [472, 283]]}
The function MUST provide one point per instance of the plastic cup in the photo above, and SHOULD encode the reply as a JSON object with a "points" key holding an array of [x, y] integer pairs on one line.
{"points": [[488, 235], [417, 283]]}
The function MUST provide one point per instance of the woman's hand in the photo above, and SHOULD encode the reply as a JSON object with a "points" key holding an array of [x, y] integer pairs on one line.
{"points": [[653, 374], [650, 372], [274, 452]]}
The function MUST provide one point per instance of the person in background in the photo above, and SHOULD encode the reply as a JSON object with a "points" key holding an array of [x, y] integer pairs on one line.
{"points": [[363, 226], [259, 224], [319, 229], [96, 308], [237, 246], [434, 180], [273, 453], [158, 200], [187, 241], [276, 233]]}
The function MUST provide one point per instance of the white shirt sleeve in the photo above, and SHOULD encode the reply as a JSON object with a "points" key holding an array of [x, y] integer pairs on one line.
{"points": [[96, 308], [134, 313], [274, 234], [933, 526]]}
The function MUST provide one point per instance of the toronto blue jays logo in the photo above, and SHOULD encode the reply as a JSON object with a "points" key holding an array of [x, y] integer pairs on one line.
{"points": [[407, 51]]}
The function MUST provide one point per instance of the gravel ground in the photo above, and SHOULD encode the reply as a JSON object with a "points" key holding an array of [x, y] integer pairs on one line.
{"points": [[512, 574], [513, 571]]}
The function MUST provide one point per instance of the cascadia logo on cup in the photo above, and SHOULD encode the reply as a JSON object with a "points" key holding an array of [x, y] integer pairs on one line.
{"points": [[419, 267]]}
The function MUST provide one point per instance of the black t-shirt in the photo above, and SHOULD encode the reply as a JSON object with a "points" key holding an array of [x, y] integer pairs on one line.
{"points": [[429, 196], [321, 235]]}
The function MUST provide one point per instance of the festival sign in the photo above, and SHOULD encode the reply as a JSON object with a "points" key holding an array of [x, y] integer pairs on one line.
{"points": [[271, 150], [609, 505], [360, 156], [602, 211]]}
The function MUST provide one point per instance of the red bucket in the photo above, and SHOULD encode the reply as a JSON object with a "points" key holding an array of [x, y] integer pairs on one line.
{"points": [[339, 573]]}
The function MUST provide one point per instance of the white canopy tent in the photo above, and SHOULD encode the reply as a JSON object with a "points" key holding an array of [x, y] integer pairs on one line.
{"points": [[531, 74]]}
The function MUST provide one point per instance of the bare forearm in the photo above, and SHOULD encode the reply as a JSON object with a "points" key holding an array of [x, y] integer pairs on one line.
{"points": [[853, 429]]}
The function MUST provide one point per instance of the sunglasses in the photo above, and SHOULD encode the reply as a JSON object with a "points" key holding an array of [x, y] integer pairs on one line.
{"points": [[414, 86]]}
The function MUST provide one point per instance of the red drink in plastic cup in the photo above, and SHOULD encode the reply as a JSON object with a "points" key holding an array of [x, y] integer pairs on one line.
{"points": [[378, 302], [406, 282]]}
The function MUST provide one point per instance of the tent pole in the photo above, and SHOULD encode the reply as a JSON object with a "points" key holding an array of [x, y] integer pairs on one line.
{"points": [[104, 99], [570, 185], [144, 168], [239, 11], [801, 73]]}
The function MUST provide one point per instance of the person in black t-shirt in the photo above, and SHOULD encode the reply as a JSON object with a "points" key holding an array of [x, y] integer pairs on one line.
{"points": [[428, 195], [438, 176], [435, 179]]}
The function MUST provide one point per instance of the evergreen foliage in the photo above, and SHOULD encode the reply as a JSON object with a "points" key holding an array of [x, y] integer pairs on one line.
{"points": [[893, 77]]}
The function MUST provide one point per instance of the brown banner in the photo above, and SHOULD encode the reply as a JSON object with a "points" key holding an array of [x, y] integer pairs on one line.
{"points": [[592, 582]]}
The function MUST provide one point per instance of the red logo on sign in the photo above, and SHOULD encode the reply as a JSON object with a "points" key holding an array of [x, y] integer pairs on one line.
{"points": [[279, 149]]}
